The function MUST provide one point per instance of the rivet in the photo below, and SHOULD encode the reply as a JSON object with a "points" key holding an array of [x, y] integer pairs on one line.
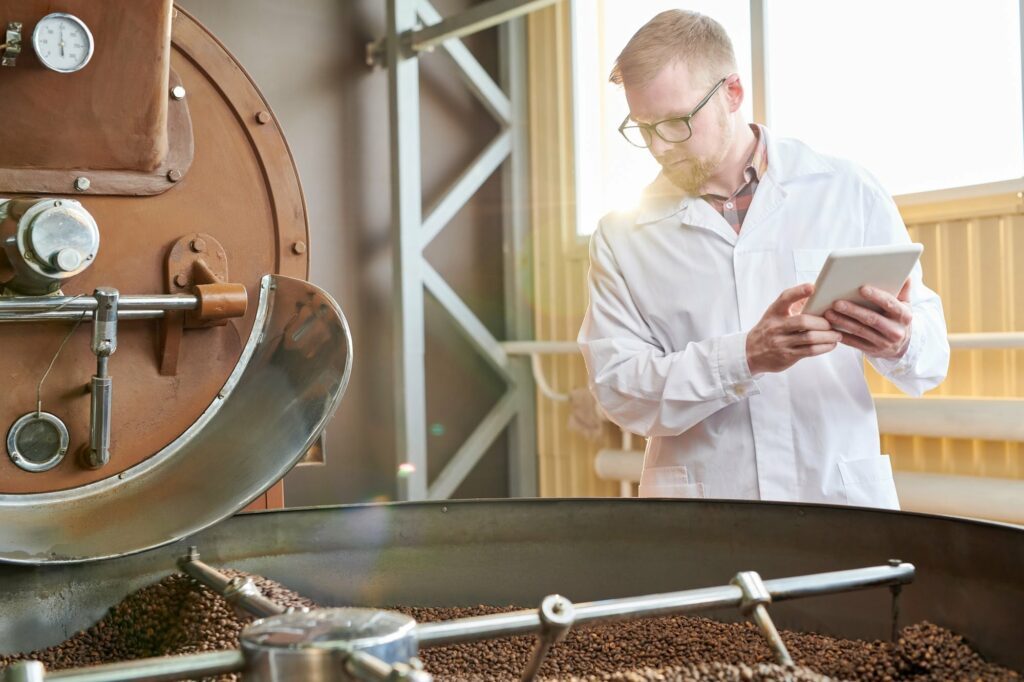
{"points": [[299, 248], [178, 92], [198, 245], [263, 117], [82, 184], [174, 175], [181, 280]]}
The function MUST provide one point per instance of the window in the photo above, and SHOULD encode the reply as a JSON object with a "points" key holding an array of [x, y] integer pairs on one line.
{"points": [[610, 173], [925, 94]]}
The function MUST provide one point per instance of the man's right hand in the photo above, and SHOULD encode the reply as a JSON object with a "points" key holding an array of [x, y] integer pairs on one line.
{"points": [[784, 336]]}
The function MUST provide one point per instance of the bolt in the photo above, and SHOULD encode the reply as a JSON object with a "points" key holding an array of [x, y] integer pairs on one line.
{"points": [[178, 92], [198, 245], [299, 248], [82, 184], [181, 279], [174, 175], [263, 117], [895, 562]]}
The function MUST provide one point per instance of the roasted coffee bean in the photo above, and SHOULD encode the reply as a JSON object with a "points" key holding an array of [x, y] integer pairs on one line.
{"points": [[180, 616], [684, 648], [175, 616]]}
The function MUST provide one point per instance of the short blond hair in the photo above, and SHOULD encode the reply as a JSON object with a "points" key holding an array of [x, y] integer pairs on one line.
{"points": [[698, 41]]}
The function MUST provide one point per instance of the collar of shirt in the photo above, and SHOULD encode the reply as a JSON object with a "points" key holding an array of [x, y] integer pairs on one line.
{"points": [[757, 166], [662, 199]]}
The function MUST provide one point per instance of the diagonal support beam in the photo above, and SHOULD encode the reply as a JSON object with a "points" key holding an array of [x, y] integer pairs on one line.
{"points": [[473, 20], [475, 76], [473, 450], [467, 321], [463, 189]]}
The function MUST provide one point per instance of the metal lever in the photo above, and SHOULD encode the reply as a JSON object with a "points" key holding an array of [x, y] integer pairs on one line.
{"points": [[557, 615], [755, 597], [240, 592], [104, 343]]}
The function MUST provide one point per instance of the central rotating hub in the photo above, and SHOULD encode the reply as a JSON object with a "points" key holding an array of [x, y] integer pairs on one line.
{"points": [[318, 645]]}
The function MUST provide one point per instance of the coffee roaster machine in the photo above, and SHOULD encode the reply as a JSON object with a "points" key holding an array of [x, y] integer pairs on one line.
{"points": [[165, 364]]}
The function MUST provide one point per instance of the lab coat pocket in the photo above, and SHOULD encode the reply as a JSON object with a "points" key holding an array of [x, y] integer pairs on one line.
{"points": [[869, 482], [668, 482], [808, 263]]}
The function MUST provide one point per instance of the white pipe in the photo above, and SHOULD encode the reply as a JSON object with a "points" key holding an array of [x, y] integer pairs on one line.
{"points": [[619, 465], [951, 417], [997, 340], [960, 341], [541, 347], [995, 499], [542, 383]]}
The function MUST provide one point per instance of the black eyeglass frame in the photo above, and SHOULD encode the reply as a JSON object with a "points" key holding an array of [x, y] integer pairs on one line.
{"points": [[652, 128]]}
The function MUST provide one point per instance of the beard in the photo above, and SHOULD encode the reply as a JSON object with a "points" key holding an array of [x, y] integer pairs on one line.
{"points": [[690, 173]]}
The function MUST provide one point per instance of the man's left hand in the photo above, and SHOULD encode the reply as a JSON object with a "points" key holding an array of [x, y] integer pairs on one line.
{"points": [[883, 334]]}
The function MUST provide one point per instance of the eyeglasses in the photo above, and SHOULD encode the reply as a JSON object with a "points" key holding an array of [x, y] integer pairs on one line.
{"points": [[671, 130]]}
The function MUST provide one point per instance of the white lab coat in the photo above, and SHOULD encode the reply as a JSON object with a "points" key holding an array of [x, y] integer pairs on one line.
{"points": [[673, 291]]}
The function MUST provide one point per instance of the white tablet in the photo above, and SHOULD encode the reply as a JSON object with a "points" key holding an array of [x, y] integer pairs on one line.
{"points": [[847, 270]]}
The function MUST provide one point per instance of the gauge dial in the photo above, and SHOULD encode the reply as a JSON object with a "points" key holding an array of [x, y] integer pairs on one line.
{"points": [[62, 42]]}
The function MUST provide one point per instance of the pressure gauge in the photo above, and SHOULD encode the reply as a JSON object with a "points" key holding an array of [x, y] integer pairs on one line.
{"points": [[62, 42]]}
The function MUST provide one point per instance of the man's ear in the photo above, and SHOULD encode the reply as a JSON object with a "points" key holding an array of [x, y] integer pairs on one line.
{"points": [[734, 92]]}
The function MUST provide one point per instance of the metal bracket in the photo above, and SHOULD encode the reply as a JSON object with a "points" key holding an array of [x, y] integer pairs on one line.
{"points": [[557, 615], [12, 44], [195, 259], [756, 597]]}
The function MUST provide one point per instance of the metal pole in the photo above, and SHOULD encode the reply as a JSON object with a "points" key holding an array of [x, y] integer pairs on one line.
{"points": [[162, 669], [518, 243], [28, 304], [85, 316], [406, 222], [473, 20]]}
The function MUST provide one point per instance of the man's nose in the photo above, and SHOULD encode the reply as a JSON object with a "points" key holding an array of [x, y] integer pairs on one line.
{"points": [[659, 147]]}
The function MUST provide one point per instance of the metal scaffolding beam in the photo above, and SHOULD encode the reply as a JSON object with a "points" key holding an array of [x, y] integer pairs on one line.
{"points": [[473, 20], [411, 233]]}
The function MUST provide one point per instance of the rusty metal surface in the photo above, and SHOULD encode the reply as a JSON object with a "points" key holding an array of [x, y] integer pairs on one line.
{"points": [[287, 383], [500, 552], [243, 190], [120, 96]]}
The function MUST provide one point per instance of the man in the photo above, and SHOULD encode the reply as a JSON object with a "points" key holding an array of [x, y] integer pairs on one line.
{"points": [[694, 335]]}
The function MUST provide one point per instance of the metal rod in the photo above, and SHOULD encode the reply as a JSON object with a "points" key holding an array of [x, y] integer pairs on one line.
{"points": [[23, 304], [767, 627], [522, 622], [74, 316], [240, 592], [782, 589], [161, 669], [473, 20]]}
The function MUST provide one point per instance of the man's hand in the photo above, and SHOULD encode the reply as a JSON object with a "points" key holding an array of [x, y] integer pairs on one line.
{"points": [[879, 335], [784, 336]]}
